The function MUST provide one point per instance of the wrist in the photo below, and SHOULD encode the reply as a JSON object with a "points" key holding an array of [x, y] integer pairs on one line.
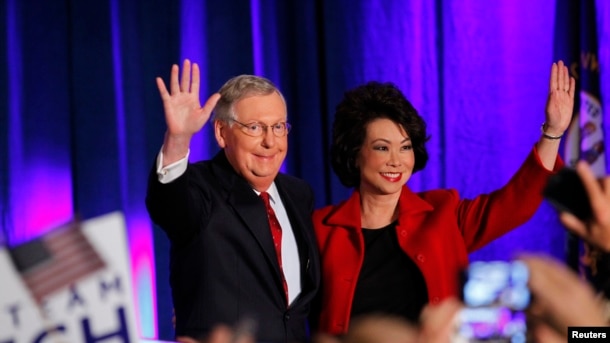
{"points": [[548, 134], [175, 146]]}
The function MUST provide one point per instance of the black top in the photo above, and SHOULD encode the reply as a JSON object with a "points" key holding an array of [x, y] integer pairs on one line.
{"points": [[389, 281]]}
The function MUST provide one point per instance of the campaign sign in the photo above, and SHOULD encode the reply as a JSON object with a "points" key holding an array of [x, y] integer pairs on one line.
{"points": [[69, 286]]}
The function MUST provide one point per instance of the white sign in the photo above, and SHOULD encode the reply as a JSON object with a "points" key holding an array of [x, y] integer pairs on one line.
{"points": [[97, 308]]}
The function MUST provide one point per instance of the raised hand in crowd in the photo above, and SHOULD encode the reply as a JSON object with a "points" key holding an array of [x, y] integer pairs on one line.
{"points": [[559, 299], [436, 325], [595, 231]]}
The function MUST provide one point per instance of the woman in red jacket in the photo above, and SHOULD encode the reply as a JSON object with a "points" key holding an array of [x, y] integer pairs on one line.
{"points": [[389, 250]]}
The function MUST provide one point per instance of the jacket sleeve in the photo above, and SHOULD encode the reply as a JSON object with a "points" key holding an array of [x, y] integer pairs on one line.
{"points": [[489, 216], [178, 206]]}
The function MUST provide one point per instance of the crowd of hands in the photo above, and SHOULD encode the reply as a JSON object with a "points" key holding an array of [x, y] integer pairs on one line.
{"points": [[560, 297]]}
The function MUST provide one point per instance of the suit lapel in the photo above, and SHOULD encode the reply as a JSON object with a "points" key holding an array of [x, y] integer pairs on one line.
{"points": [[248, 206], [251, 210]]}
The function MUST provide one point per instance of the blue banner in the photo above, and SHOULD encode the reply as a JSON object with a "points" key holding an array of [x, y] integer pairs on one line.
{"points": [[576, 43]]}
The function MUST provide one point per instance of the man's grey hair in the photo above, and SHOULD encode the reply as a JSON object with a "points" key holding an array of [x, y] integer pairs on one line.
{"points": [[240, 87]]}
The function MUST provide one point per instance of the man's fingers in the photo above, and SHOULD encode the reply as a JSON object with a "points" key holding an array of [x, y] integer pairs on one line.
{"points": [[195, 79], [185, 80], [162, 90], [174, 86], [209, 105]]}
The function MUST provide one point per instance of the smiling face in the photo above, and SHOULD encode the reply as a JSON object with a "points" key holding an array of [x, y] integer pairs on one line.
{"points": [[257, 159], [386, 158]]}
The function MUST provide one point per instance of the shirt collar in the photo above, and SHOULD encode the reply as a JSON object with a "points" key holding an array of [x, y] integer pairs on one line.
{"points": [[272, 191]]}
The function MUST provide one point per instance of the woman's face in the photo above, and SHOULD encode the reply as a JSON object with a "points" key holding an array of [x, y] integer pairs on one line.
{"points": [[386, 158]]}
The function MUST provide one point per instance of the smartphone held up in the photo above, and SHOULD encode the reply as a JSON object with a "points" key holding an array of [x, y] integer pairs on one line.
{"points": [[495, 296]]}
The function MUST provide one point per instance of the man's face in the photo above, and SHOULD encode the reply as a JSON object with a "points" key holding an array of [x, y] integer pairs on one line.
{"points": [[257, 159]]}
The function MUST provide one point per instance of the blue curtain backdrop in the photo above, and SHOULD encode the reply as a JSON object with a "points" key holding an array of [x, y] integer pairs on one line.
{"points": [[81, 120]]}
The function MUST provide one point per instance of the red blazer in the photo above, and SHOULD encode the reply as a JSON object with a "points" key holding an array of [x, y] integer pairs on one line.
{"points": [[436, 229]]}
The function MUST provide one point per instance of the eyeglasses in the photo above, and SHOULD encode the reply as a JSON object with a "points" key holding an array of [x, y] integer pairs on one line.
{"points": [[256, 129]]}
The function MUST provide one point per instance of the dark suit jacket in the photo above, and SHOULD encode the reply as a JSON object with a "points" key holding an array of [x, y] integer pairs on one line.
{"points": [[223, 266]]}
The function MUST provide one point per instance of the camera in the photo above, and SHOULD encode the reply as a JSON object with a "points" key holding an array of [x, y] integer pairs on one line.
{"points": [[495, 296]]}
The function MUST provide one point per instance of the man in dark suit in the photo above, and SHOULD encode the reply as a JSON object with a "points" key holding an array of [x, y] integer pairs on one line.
{"points": [[234, 257]]}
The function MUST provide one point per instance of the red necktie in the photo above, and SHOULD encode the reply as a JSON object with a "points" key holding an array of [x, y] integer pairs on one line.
{"points": [[276, 233]]}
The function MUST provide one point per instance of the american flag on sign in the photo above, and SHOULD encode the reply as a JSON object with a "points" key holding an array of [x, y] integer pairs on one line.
{"points": [[55, 261]]}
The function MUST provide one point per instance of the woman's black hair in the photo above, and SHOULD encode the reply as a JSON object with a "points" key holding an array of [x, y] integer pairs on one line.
{"points": [[360, 106]]}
